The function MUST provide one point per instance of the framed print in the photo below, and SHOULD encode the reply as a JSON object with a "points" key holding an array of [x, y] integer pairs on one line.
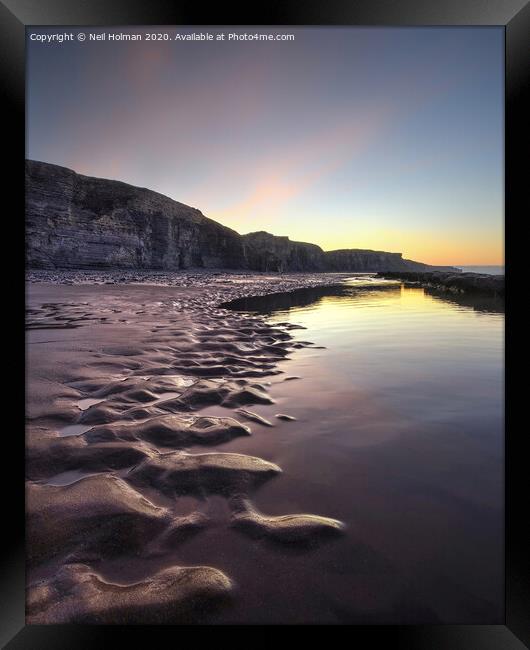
{"points": [[267, 366]]}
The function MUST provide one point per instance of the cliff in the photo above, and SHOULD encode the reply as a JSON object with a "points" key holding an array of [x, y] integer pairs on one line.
{"points": [[84, 222], [265, 252], [368, 260], [75, 221]]}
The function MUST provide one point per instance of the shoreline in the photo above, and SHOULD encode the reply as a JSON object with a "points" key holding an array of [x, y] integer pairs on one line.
{"points": [[184, 278]]}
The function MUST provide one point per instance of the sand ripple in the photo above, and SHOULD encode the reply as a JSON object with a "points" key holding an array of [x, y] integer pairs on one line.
{"points": [[220, 473], [77, 594], [290, 529], [134, 403]]}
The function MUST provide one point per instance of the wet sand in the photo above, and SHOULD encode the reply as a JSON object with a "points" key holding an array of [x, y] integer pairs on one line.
{"points": [[141, 393]]}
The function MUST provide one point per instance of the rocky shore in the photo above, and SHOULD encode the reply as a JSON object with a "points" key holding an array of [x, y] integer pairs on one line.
{"points": [[492, 285]]}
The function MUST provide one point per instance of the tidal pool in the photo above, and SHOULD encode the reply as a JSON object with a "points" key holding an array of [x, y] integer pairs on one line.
{"points": [[399, 434]]}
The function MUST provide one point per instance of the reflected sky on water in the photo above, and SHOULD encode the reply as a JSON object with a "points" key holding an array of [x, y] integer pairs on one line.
{"points": [[399, 434]]}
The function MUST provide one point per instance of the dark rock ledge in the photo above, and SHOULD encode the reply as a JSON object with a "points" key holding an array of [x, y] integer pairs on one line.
{"points": [[492, 285]]}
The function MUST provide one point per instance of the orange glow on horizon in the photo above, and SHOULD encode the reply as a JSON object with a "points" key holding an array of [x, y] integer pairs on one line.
{"points": [[432, 250], [429, 247]]}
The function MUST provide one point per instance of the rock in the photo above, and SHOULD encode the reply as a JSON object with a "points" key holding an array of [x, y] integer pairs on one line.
{"points": [[492, 285], [369, 261], [84, 222], [267, 252]]}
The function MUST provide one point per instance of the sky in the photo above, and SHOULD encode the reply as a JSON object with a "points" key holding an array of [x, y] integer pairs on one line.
{"points": [[380, 138]]}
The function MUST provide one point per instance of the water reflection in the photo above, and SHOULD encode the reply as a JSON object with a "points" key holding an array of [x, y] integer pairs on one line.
{"points": [[279, 302], [398, 433], [486, 304]]}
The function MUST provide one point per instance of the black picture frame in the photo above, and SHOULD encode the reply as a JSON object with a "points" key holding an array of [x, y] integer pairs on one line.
{"points": [[514, 15]]}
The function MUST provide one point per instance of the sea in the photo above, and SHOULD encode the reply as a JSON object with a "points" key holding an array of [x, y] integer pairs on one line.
{"points": [[488, 270]]}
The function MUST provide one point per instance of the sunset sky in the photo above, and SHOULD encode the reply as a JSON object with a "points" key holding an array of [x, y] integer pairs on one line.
{"points": [[381, 138]]}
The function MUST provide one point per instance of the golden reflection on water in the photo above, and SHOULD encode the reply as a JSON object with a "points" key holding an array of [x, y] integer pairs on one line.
{"points": [[393, 298], [429, 354], [394, 304]]}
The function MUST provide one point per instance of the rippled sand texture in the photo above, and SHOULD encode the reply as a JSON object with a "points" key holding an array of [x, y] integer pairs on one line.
{"points": [[119, 369]]}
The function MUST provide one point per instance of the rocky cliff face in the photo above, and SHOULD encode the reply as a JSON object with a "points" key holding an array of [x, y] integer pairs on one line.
{"points": [[75, 221], [265, 252], [368, 260], [84, 222]]}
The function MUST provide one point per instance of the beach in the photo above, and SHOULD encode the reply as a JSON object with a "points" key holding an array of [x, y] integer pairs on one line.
{"points": [[211, 447], [118, 367]]}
